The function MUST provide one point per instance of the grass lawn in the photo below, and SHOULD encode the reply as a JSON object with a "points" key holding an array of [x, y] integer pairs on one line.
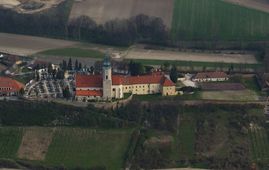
{"points": [[73, 147], [217, 20], [150, 97], [73, 52], [242, 95], [198, 64], [10, 139], [156, 97], [251, 84], [24, 79]]}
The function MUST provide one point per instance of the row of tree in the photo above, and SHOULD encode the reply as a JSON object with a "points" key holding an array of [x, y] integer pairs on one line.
{"points": [[55, 23]]}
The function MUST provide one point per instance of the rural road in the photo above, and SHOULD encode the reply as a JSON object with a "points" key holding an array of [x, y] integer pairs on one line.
{"points": [[28, 45]]}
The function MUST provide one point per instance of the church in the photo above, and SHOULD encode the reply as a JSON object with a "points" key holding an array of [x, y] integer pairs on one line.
{"points": [[108, 86]]}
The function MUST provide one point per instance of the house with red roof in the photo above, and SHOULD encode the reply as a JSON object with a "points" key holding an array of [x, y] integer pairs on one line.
{"points": [[210, 76], [9, 87], [108, 86]]}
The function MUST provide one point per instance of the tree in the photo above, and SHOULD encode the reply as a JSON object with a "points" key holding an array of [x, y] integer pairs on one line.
{"points": [[50, 69], [37, 77], [66, 93], [136, 68], [76, 65], [166, 66], [173, 74], [79, 66], [70, 65], [21, 92], [91, 69], [64, 66], [60, 74]]}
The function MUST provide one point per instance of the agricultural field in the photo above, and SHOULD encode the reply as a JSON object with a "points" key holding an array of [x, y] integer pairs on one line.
{"points": [[262, 5], [88, 148], [35, 143], [105, 10], [68, 147], [259, 143], [10, 139], [217, 20], [238, 95]]}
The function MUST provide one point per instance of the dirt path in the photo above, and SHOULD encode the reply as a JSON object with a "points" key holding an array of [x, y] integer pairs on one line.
{"points": [[35, 143], [262, 5]]}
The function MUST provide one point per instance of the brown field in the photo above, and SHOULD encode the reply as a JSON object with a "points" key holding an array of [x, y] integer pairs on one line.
{"points": [[222, 86], [28, 45], [190, 56], [105, 10], [262, 5], [35, 143], [231, 95]]}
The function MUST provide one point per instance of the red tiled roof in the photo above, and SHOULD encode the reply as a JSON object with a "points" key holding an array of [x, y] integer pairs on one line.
{"points": [[117, 79], [13, 85], [83, 81], [211, 75], [145, 79], [89, 93], [168, 82]]}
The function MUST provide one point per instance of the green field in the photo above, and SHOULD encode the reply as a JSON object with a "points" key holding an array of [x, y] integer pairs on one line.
{"points": [[73, 147], [73, 52], [10, 139], [259, 144], [184, 140], [217, 20]]}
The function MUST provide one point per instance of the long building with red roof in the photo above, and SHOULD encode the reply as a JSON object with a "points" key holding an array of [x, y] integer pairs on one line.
{"points": [[108, 86], [211, 76], [9, 87]]}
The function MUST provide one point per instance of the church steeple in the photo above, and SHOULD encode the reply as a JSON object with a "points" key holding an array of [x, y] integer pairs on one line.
{"points": [[107, 62], [107, 78]]}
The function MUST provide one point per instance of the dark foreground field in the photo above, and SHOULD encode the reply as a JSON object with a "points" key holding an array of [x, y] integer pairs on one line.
{"points": [[139, 135]]}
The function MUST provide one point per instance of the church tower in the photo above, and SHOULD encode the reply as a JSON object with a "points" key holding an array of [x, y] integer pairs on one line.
{"points": [[107, 79]]}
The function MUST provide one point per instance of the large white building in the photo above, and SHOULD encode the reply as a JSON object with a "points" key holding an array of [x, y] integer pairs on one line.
{"points": [[108, 86]]}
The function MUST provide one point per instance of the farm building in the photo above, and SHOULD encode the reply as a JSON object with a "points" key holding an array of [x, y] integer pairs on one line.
{"points": [[9, 87], [109, 86], [210, 76]]}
